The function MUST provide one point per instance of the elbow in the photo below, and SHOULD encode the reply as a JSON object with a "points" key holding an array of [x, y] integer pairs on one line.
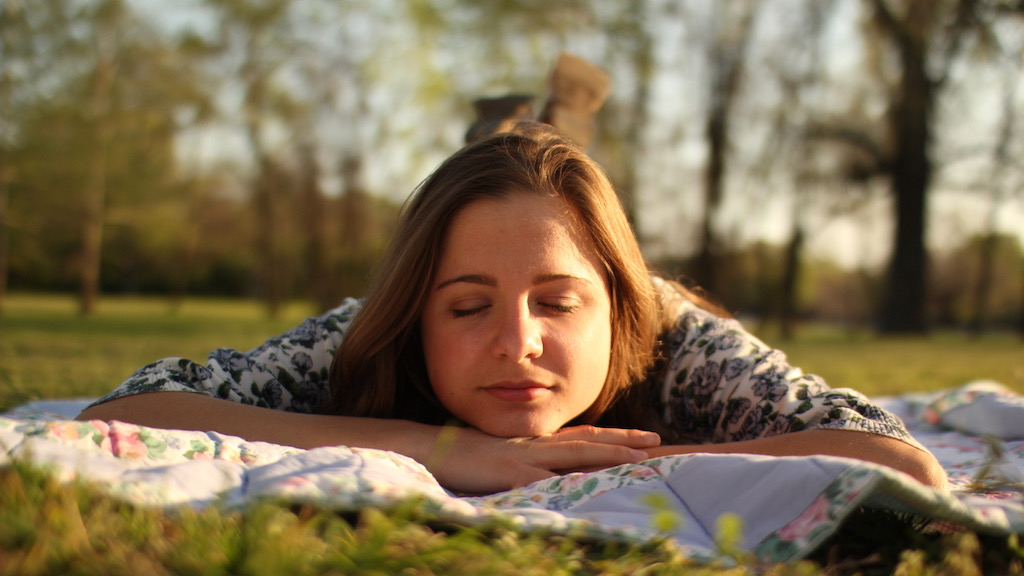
{"points": [[923, 467], [917, 462], [96, 412]]}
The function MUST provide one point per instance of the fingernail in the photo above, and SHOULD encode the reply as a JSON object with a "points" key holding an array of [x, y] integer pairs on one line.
{"points": [[639, 454]]}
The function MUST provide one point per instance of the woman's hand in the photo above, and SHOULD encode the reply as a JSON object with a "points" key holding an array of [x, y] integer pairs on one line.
{"points": [[462, 459], [468, 461]]}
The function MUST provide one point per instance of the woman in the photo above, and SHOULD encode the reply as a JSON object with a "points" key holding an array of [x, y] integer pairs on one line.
{"points": [[514, 303]]}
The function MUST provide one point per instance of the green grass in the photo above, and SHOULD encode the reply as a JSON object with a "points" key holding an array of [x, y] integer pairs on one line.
{"points": [[46, 528], [881, 366], [51, 528], [48, 351]]}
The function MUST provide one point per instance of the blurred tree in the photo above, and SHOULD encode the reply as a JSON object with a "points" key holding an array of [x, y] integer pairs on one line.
{"points": [[841, 297], [623, 121], [194, 186], [519, 32], [357, 222], [14, 51], [924, 37], [1002, 186], [257, 41], [306, 71], [97, 108], [794, 62], [335, 134], [313, 214], [104, 102], [955, 276], [19, 66], [727, 42], [506, 45], [910, 28]]}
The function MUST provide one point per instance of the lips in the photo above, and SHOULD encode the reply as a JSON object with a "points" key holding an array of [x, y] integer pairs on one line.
{"points": [[518, 391]]}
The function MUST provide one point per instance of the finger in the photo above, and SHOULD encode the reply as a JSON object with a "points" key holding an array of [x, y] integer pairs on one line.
{"points": [[620, 436], [577, 454]]}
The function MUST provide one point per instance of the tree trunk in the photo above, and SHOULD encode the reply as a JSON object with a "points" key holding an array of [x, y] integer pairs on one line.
{"points": [[983, 284], [318, 280], [727, 67], [1020, 321], [355, 228], [903, 308], [639, 114], [1003, 159], [716, 132], [263, 188], [189, 245], [94, 192], [4, 245], [266, 236], [790, 281]]}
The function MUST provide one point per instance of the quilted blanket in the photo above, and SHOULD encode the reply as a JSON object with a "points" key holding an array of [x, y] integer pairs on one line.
{"points": [[787, 506]]}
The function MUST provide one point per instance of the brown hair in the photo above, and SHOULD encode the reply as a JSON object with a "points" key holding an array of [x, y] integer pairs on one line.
{"points": [[379, 370]]}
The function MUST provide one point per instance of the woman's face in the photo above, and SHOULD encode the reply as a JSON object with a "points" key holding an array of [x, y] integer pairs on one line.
{"points": [[517, 323]]}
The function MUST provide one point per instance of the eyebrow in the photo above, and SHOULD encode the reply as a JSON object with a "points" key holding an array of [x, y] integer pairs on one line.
{"points": [[490, 281]]}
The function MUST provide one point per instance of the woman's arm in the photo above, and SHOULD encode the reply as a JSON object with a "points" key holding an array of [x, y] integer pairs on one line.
{"points": [[726, 391], [287, 372], [462, 459], [918, 463]]}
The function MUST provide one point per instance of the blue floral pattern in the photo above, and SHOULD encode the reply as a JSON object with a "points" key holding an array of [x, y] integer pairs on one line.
{"points": [[722, 384], [288, 372]]}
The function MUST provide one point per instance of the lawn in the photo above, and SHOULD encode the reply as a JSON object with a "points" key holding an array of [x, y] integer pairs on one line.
{"points": [[48, 351], [881, 366]]}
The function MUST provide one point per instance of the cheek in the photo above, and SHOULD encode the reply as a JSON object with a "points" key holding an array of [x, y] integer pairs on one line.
{"points": [[591, 352], [603, 349], [430, 340], [445, 355], [600, 356]]}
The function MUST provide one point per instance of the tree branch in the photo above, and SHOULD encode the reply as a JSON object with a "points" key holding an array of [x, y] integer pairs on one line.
{"points": [[852, 137]]}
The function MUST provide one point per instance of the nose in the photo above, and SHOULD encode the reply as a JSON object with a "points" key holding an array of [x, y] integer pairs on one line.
{"points": [[518, 336]]}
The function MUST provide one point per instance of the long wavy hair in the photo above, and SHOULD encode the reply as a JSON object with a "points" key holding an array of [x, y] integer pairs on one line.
{"points": [[379, 369]]}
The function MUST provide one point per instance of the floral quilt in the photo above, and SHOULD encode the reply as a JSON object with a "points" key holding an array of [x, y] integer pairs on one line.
{"points": [[786, 506]]}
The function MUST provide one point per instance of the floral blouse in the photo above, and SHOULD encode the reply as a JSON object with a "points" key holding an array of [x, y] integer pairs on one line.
{"points": [[718, 384]]}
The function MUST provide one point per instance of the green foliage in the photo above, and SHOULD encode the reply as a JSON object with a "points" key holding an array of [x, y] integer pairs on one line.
{"points": [[729, 536], [347, 84], [664, 520], [751, 279], [51, 528], [957, 273], [95, 135], [876, 543], [47, 528]]}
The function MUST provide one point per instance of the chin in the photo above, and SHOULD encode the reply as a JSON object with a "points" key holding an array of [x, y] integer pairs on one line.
{"points": [[517, 429]]}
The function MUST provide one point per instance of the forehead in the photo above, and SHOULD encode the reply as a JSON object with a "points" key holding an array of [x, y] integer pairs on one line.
{"points": [[517, 227]]}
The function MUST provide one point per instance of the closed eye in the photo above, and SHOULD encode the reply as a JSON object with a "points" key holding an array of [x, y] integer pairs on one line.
{"points": [[464, 312], [560, 307]]}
